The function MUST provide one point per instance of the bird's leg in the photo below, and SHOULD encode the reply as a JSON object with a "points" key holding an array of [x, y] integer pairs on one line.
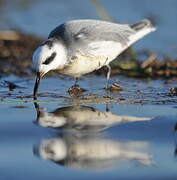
{"points": [[108, 75], [76, 82], [75, 90], [107, 108]]}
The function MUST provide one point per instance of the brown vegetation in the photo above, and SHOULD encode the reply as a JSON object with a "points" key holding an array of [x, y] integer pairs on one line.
{"points": [[16, 51]]}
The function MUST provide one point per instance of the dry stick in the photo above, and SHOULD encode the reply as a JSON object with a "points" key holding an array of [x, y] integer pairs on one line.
{"points": [[149, 61]]}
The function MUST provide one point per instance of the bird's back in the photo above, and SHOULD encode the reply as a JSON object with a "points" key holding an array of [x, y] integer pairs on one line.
{"points": [[92, 30], [92, 44]]}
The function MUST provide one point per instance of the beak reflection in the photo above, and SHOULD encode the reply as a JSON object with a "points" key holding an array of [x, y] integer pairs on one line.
{"points": [[36, 86]]}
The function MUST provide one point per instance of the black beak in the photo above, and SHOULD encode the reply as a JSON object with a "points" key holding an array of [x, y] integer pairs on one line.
{"points": [[38, 112], [38, 78]]}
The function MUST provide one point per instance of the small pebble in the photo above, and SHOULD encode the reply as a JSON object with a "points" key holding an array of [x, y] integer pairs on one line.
{"points": [[173, 90], [115, 87]]}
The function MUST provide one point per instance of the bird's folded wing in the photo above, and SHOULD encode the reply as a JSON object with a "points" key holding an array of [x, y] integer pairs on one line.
{"points": [[102, 42], [92, 37]]}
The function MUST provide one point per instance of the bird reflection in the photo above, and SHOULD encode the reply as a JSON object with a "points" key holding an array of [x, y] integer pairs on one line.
{"points": [[82, 118], [93, 152]]}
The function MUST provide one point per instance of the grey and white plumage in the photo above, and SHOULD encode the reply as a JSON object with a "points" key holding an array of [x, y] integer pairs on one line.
{"points": [[93, 152], [79, 47], [83, 119]]}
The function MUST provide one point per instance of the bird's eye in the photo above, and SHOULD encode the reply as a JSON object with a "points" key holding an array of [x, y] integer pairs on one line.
{"points": [[49, 59], [49, 43]]}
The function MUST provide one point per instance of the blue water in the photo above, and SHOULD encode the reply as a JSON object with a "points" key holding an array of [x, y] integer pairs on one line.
{"points": [[83, 141], [146, 147], [90, 140]]}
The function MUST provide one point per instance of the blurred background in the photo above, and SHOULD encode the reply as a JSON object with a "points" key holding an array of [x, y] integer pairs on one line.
{"points": [[39, 17], [141, 85]]}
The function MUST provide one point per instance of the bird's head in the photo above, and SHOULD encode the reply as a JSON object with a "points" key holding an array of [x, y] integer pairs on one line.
{"points": [[50, 55]]}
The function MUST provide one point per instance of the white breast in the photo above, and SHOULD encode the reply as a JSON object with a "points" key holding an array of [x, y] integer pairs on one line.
{"points": [[86, 63], [83, 64]]}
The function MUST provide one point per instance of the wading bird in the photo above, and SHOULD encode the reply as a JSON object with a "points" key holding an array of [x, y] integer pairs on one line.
{"points": [[79, 47]]}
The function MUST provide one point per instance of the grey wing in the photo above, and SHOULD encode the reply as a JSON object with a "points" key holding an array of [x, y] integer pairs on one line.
{"points": [[94, 37]]}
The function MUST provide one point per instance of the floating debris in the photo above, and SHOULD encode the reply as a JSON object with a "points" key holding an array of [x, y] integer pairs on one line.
{"points": [[139, 91], [93, 99], [10, 85], [173, 91]]}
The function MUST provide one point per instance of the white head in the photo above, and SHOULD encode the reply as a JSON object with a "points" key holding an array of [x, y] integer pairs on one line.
{"points": [[51, 120], [50, 55], [53, 149]]}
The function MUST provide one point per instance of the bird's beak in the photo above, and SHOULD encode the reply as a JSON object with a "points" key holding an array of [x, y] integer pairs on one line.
{"points": [[38, 79]]}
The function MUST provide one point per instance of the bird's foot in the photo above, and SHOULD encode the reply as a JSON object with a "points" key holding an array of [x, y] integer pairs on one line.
{"points": [[76, 90], [114, 87]]}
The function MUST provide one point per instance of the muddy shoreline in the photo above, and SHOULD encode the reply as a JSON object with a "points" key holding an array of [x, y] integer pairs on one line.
{"points": [[16, 52]]}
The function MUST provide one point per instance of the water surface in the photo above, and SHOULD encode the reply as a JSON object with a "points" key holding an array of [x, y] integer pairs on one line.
{"points": [[64, 139], [106, 135]]}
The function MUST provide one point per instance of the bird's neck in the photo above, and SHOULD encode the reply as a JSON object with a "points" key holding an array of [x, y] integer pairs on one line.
{"points": [[61, 57]]}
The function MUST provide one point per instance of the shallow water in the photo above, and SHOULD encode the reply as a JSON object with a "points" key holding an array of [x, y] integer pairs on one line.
{"points": [[106, 135], [125, 139]]}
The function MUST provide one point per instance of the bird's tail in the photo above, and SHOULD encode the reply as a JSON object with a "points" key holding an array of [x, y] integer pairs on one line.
{"points": [[144, 24], [141, 29]]}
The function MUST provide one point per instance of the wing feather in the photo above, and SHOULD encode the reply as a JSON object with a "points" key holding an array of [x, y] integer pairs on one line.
{"points": [[94, 37]]}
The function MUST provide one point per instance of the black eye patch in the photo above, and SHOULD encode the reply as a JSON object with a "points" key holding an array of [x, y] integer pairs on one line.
{"points": [[49, 43], [50, 59]]}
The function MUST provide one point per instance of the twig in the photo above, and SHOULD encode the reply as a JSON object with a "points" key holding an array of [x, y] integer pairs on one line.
{"points": [[101, 11], [149, 61]]}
